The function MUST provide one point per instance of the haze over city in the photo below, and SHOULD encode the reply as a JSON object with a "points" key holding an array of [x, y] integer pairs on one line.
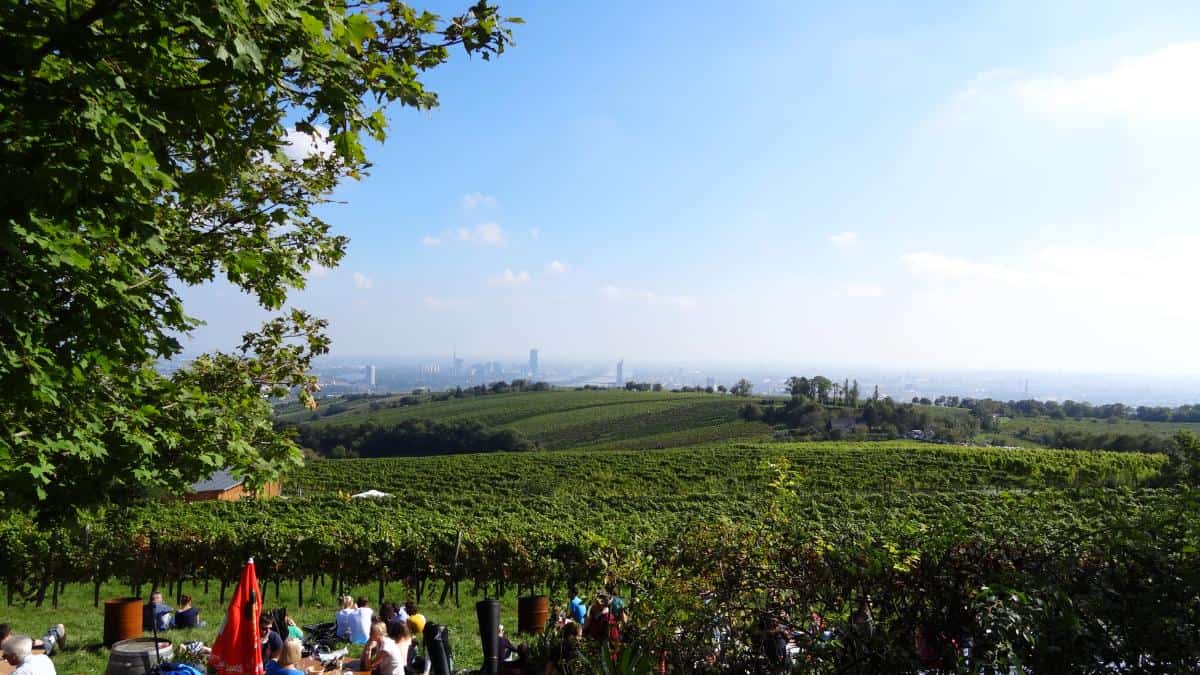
{"points": [[907, 188]]}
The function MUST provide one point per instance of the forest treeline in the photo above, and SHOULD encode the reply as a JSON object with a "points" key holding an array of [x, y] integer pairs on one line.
{"points": [[409, 438]]}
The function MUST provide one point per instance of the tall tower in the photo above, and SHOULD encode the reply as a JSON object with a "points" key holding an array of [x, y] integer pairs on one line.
{"points": [[533, 362], [621, 373], [372, 376]]}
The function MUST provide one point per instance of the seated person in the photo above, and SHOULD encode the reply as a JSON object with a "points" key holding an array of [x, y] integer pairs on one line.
{"points": [[416, 620], [293, 631], [54, 639], [156, 613], [345, 617], [272, 644], [288, 661], [506, 647], [18, 652], [389, 649], [187, 616], [376, 635]]}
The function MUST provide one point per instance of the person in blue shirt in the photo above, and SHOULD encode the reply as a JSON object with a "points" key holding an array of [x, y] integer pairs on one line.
{"points": [[578, 608], [157, 612]]}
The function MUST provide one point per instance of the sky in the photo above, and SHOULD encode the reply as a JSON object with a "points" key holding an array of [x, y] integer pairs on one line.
{"points": [[907, 185]]}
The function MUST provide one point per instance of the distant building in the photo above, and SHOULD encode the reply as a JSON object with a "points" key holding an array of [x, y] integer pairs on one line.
{"points": [[222, 486], [710, 382], [458, 367], [621, 373], [372, 376], [533, 362]]}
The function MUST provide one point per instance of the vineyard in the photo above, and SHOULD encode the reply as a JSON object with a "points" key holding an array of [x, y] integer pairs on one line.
{"points": [[820, 523], [563, 419]]}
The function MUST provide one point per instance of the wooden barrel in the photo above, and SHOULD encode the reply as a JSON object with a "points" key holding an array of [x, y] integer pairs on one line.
{"points": [[122, 620], [532, 613], [136, 656]]}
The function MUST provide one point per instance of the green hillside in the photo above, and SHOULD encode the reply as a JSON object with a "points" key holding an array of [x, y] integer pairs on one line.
{"points": [[726, 474], [558, 420]]}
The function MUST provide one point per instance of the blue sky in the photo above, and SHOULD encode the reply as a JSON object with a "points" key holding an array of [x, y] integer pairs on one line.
{"points": [[951, 185]]}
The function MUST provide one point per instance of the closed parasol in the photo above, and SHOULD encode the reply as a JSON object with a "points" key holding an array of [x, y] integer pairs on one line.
{"points": [[238, 648]]}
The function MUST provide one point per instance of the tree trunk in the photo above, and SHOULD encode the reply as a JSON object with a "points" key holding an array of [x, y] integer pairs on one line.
{"points": [[223, 584], [300, 591], [96, 593]]}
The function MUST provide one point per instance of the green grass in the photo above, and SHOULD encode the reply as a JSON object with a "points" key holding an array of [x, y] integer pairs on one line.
{"points": [[85, 652], [570, 419]]}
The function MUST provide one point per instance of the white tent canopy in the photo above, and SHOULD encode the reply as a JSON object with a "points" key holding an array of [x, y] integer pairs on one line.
{"points": [[370, 494]]}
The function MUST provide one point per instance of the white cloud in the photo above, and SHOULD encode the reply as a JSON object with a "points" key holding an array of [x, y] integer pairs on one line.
{"points": [[511, 279], [535, 232], [618, 294], [429, 240], [555, 268], [299, 145], [937, 266], [863, 290], [362, 281], [1139, 274], [442, 303], [843, 239], [1159, 86], [484, 233], [478, 199]]}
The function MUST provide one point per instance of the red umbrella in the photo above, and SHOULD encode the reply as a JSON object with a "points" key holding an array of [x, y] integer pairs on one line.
{"points": [[238, 648]]}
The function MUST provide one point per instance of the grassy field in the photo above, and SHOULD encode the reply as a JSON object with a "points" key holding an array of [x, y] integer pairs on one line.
{"points": [[558, 420], [85, 652]]}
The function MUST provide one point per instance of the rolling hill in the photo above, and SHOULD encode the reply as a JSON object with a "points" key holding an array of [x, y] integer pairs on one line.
{"points": [[558, 420]]}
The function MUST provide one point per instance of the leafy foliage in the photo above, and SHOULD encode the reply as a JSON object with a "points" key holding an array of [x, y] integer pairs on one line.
{"points": [[145, 147]]}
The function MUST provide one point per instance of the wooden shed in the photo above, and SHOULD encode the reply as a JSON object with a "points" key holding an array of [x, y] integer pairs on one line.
{"points": [[223, 486]]}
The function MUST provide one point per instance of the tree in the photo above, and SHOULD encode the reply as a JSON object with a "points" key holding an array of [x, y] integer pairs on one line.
{"points": [[750, 411], [145, 147], [721, 388], [852, 397], [821, 387], [1183, 459], [798, 386], [743, 388]]}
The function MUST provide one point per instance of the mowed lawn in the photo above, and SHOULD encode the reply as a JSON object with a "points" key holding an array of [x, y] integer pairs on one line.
{"points": [[85, 652], [560, 420]]}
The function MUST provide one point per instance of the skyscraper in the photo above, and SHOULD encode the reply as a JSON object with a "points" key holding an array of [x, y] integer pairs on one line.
{"points": [[533, 364], [372, 376], [621, 373]]}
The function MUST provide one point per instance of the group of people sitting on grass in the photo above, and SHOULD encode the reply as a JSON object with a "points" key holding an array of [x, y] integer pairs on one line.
{"points": [[353, 621], [158, 615], [387, 637], [604, 619], [27, 656]]}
